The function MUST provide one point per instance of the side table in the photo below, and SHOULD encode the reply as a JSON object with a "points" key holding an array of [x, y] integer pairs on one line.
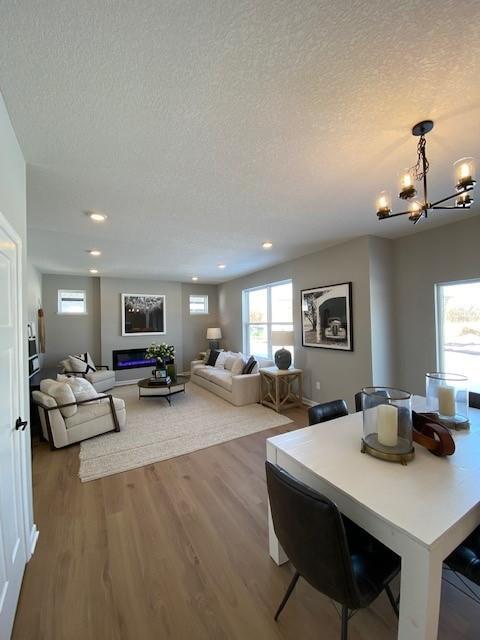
{"points": [[281, 388]]}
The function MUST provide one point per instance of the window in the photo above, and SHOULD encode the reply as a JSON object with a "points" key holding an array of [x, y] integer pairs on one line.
{"points": [[266, 309], [198, 305], [72, 302], [458, 329]]}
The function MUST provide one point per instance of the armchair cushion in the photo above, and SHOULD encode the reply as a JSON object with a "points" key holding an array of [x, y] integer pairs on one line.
{"points": [[93, 410], [62, 394]]}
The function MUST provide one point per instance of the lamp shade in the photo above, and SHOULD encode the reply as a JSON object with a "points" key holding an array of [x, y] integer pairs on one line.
{"points": [[282, 338], [214, 333]]}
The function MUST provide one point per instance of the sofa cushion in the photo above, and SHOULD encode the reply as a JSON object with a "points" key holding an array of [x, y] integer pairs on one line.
{"points": [[81, 363], [229, 362], [222, 378], [237, 367], [204, 372], [62, 393], [92, 410]]}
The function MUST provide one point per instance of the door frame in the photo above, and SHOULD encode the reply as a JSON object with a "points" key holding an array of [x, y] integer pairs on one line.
{"points": [[22, 447]]}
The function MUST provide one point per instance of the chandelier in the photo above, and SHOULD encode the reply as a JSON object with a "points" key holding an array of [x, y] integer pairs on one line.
{"points": [[419, 208]]}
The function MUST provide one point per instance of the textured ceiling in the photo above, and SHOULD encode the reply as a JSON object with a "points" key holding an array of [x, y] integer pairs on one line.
{"points": [[205, 127]]}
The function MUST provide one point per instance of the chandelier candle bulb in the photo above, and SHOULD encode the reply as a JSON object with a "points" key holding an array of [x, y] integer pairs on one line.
{"points": [[383, 204], [387, 425], [464, 173], [407, 187], [415, 211], [446, 401]]}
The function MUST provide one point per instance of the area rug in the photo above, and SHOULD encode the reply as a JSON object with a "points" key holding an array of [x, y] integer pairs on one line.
{"points": [[155, 431]]}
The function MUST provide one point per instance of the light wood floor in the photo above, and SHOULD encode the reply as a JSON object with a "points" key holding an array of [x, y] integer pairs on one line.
{"points": [[178, 550]]}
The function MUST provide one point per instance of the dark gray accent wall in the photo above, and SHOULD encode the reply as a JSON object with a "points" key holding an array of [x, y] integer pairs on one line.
{"points": [[111, 324], [443, 254], [65, 334], [340, 373]]}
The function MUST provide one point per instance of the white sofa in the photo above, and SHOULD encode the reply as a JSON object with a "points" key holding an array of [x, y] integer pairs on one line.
{"points": [[64, 424], [102, 379], [238, 389]]}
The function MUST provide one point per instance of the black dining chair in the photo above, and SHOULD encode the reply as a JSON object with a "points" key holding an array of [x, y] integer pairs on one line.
{"points": [[327, 411], [358, 397], [464, 561], [334, 555]]}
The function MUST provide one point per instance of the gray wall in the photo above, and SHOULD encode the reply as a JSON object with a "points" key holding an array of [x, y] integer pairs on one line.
{"points": [[34, 300], [444, 254], [65, 334], [382, 303], [111, 330], [340, 373], [195, 326]]}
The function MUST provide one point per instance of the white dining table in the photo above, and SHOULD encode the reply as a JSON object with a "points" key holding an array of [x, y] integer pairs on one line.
{"points": [[422, 511]]}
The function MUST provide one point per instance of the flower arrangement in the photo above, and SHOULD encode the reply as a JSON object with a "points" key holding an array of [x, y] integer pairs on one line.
{"points": [[161, 351]]}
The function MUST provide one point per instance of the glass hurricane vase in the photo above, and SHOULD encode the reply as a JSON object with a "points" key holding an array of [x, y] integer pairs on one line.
{"points": [[387, 424]]}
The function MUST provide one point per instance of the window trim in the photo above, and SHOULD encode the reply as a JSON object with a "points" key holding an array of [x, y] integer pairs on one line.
{"points": [[439, 312], [60, 299], [246, 313], [198, 295]]}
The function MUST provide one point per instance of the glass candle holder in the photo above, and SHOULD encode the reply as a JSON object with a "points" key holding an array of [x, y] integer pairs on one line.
{"points": [[447, 395], [387, 424]]}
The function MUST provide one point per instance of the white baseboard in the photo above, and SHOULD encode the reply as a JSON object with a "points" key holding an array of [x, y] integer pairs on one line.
{"points": [[32, 543], [308, 402]]}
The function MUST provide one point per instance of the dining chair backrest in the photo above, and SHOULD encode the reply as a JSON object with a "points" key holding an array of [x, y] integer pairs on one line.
{"points": [[310, 529], [327, 411], [359, 398], [474, 400]]}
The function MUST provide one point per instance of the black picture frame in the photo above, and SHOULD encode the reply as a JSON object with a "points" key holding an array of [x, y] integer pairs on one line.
{"points": [[143, 314], [327, 317]]}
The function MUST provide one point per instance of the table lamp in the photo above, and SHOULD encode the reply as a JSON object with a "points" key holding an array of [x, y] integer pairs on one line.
{"points": [[213, 336], [283, 357]]}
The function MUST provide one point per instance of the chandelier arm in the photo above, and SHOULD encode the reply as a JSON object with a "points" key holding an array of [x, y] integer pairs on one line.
{"points": [[451, 208], [395, 215], [455, 195]]}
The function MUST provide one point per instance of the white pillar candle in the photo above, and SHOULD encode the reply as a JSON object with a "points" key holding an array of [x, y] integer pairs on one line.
{"points": [[446, 401], [387, 425]]}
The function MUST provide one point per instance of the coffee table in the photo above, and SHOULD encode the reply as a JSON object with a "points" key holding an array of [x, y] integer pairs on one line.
{"points": [[147, 388]]}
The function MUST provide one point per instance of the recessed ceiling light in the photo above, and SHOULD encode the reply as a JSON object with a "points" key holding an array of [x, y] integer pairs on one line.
{"points": [[94, 252], [221, 266], [93, 270], [195, 278], [97, 216], [267, 245]]}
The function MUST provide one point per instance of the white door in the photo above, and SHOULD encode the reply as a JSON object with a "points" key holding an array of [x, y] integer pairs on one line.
{"points": [[12, 539]]}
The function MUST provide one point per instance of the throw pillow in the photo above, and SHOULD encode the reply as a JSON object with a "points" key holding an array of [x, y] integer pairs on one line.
{"points": [[207, 355], [81, 388], [212, 357], [82, 363], [62, 394], [229, 362], [237, 367], [220, 361], [249, 367]]}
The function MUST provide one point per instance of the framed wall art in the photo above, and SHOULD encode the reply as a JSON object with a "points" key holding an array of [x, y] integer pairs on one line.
{"points": [[143, 314], [327, 317]]}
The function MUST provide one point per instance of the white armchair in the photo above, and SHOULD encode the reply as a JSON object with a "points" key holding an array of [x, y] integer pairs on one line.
{"points": [[102, 379], [86, 418]]}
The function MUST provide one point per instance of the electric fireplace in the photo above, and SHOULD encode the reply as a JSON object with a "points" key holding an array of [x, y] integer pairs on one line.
{"points": [[123, 359]]}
